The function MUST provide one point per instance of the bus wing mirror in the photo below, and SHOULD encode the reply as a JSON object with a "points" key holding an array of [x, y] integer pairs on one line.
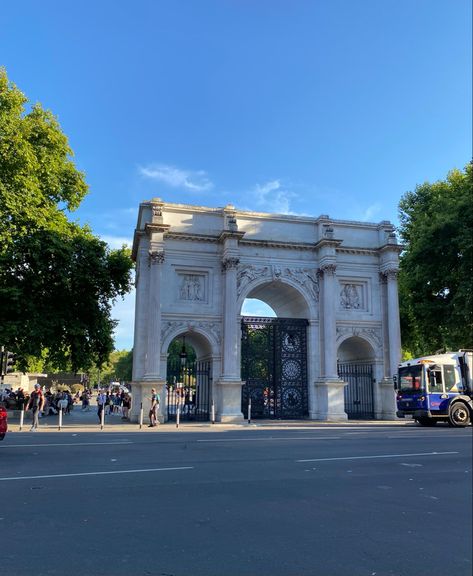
{"points": [[395, 381]]}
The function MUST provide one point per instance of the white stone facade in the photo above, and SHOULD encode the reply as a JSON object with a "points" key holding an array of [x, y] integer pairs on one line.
{"points": [[195, 266]]}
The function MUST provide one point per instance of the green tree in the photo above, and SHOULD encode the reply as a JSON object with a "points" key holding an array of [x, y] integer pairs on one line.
{"points": [[57, 280], [436, 270], [118, 368]]}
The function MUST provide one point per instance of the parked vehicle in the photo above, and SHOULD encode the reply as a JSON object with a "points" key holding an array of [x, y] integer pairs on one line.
{"points": [[437, 388], [3, 422]]}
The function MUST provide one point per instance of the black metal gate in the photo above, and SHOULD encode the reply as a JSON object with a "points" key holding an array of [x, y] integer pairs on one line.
{"points": [[188, 389], [274, 366], [359, 402]]}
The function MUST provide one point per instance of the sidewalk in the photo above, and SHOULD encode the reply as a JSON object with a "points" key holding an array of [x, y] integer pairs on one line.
{"points": [[83, 421]]}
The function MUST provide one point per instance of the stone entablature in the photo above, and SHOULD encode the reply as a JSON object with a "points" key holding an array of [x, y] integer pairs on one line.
{"points": [[196, 265]]}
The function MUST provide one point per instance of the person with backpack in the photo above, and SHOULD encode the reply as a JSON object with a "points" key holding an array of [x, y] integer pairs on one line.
{"points": [[35, 404]]}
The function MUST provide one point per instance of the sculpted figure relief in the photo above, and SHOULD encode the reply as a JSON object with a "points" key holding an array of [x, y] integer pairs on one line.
{"points": [[191, 288], [349, 297]]}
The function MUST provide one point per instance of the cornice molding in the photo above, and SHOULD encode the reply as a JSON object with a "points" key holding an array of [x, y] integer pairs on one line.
{"points": [[226, 234], [151, 228]]}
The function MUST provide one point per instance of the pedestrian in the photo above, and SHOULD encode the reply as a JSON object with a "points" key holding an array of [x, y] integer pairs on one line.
{"points": [[35, 404], [126, 406], [154, 409], [101, 399]]}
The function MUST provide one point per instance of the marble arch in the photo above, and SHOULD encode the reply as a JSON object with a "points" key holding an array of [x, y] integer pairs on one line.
{"points": [[195, 266]]}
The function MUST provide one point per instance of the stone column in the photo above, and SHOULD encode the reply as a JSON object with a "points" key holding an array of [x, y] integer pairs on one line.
{"points": [[329, 390], [230, 326], [229, 385], [393, 320], [141, 316], [329, 324], [153, 355]]}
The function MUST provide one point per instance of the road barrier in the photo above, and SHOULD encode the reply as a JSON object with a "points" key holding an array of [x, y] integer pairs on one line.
{"points": [[141, 415]]}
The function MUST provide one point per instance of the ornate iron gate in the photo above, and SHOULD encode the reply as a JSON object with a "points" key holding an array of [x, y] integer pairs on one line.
{"points": [[359, 402], [274, 366], [188, 388]]}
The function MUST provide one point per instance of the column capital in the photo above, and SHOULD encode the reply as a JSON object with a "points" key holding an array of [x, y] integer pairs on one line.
{"points": [[327, 269], [230, 263], [155, 256], [390, 273]]}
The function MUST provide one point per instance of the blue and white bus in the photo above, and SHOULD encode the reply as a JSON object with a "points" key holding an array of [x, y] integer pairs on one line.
{"points": [[435, 388]]}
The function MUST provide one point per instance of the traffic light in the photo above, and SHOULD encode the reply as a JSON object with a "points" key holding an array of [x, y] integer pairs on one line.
{"points": [[8, 362]]}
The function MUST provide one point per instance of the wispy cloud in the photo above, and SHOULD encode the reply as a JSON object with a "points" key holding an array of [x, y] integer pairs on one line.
{"points": [[273, 197], [370, 213], [194, 181]]}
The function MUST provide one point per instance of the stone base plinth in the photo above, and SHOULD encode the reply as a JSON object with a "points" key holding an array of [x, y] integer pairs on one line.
{"points": [[229, 401], [141, 396], [329, 400], [387, 396]]}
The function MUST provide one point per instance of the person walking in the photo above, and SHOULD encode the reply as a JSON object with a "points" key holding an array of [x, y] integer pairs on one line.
{"points": [[153, 420], [35, 404], [101, 400]]}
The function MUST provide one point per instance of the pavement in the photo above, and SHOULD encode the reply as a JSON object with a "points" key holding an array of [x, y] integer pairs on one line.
{"points": [[87, 421]]}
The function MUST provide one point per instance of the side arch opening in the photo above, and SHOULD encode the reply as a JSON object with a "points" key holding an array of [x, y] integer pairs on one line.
{"points": [[356, 367]]}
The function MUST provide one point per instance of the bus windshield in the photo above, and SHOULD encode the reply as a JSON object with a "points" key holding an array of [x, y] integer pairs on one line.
{"points": [[410, 379]]}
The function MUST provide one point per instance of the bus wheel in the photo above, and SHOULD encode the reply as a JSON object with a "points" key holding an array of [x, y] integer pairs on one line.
{"points": [[427, 421], [459, 415]]}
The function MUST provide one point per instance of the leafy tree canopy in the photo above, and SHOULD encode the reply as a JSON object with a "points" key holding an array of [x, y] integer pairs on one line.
{"points": [[436, 271], [57, 280]]}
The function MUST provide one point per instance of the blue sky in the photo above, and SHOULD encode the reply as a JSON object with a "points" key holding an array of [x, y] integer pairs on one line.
{"points": [[297, 106]]}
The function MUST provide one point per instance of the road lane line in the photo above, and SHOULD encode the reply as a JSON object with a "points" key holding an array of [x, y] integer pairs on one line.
{"points": [[268, 439], [379, 456], [67, 444], [138, 471]]}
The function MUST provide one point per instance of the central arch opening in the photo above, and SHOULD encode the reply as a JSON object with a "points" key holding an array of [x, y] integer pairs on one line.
{"points": [[274, 352]]}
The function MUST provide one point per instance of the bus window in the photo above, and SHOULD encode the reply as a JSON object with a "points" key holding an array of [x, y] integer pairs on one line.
{"points": [[435, 380], [449, 378]]}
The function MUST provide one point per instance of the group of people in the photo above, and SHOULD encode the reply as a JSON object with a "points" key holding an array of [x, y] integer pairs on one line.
{"points": [[19, 400], [113, 402], [47, 403]]}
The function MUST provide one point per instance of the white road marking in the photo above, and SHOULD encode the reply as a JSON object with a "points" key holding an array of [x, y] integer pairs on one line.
{"points": [[138, 471], [269, 439], [379, 456], [66, 444]]}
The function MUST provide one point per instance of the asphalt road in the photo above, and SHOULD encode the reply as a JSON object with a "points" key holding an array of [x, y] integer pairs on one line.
{"points": [[348, 501]]}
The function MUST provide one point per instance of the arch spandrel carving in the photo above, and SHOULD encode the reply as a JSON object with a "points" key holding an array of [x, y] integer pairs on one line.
{"points": [[209, 329], [372, 335], [250, 276]]}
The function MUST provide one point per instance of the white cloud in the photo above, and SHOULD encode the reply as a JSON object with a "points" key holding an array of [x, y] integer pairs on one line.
{"points": [[370, 212], [195, 181], [272, 197]]}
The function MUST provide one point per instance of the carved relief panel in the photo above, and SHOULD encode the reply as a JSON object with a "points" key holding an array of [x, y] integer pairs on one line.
{"points": [[192, 286], [353, 295]]}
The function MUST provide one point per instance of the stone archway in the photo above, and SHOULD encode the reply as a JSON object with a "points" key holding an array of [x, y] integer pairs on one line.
{"points": [[356, 360], [274, 363], [196, 265]]}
